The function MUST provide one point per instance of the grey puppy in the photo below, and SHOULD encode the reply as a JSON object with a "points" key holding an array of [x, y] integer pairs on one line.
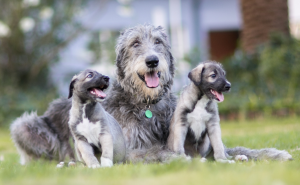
{"points": [[44, 136], [94, 130], [195, 126]]}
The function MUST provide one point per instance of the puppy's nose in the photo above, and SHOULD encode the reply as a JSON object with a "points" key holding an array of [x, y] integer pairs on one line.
{"points": [[152, 61], [227, 86], [106, 78]]}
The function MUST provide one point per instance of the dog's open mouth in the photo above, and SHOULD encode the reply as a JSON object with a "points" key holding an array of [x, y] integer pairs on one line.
{"points": [[218, 95], [151, 79], [98, 91]]}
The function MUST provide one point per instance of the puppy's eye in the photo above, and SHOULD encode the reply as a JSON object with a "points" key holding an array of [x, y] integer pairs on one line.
{"points": [[157, 41], [136, 44], [90, 75], [213, 75]]}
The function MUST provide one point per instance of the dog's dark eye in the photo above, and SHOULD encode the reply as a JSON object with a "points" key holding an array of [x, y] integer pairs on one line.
{"points": [[213, 75], [90, 75], [136, 44], [157, 41]]}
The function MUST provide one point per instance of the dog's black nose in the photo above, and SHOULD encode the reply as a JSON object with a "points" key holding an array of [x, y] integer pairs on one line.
{"points": [[152, 61], [227, 86], [106, 78]]}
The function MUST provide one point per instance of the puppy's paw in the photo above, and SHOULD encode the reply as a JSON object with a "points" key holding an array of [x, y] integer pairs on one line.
{"points": [[188, 158], [241, 158], [203, 160], [71, 164], [184, 157], [105, 162], [94, 166], [60, 165], [225, 161]]}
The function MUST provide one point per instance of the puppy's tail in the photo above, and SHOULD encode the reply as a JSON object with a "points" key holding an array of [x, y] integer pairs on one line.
{"points": [[260, 154], [33, 138], [152, 155]]}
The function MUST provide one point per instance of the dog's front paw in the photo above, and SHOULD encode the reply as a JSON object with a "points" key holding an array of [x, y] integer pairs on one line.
{"points": [[105, 162], [225, 161], [60, 165], [241, 158], [94, 166], [203, 160], [71, 164]]}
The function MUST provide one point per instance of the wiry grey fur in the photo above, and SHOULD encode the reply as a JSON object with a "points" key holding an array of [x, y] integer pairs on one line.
{"points": [[43, 136], [260, 154], [93, 129], [129, 95]]}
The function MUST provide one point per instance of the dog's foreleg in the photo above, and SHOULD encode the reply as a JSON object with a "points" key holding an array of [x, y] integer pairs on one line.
{"points": [[66, 150], [24, 157], [204, 147], [70, 152], [177, 138], [87, 154], [214, 134], [106, 142], [63, 151]]}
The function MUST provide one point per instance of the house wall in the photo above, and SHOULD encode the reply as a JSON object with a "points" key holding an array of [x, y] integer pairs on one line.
{"points": [[198, 17]]}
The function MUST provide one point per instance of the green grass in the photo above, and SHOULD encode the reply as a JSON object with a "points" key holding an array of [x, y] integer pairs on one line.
{"points": [[279, 133]]}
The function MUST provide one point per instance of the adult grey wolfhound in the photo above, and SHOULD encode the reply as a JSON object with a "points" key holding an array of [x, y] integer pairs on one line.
{"points": [[140, 99]]}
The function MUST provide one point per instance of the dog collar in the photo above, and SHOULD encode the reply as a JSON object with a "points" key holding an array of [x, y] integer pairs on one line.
{"points": [[152, 101], [148, 112], [148, 101]]}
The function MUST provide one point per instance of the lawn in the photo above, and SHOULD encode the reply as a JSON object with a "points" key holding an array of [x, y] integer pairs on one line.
{"points": [[283, 133]]}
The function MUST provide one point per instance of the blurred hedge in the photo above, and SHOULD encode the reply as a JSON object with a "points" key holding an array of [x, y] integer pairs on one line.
{"points": [[36, 32], [265, 82]]}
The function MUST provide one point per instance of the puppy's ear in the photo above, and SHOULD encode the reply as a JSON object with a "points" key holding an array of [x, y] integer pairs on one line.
{"points": [[196, 74], [71, 87]]}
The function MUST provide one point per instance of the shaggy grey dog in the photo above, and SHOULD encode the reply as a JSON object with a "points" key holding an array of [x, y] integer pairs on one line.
{"points": [[44, 136], [93, 129], [145, 70], [195, 126]]}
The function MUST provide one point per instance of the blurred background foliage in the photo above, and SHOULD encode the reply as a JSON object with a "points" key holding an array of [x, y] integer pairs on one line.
{"points": [[264, 82], [36, 32], [102, 45]]}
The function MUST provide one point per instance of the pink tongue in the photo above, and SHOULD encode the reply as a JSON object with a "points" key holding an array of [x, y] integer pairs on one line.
{"points": [[99, 93], [152, 79], [219, 96]]}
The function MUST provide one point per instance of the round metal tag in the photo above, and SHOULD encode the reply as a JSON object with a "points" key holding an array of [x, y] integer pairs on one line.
{"points": [[148, 114]]}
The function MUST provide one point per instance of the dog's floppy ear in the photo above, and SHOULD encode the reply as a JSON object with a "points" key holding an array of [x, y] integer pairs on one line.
{"points": [[196, 73], [74, 79]]}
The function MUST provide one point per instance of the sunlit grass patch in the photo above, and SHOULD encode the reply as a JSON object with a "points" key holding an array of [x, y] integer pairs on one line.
{"points": [[281, 134]]}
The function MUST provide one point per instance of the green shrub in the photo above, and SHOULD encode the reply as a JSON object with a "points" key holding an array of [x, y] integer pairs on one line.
{"points": [[266, 80]]}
